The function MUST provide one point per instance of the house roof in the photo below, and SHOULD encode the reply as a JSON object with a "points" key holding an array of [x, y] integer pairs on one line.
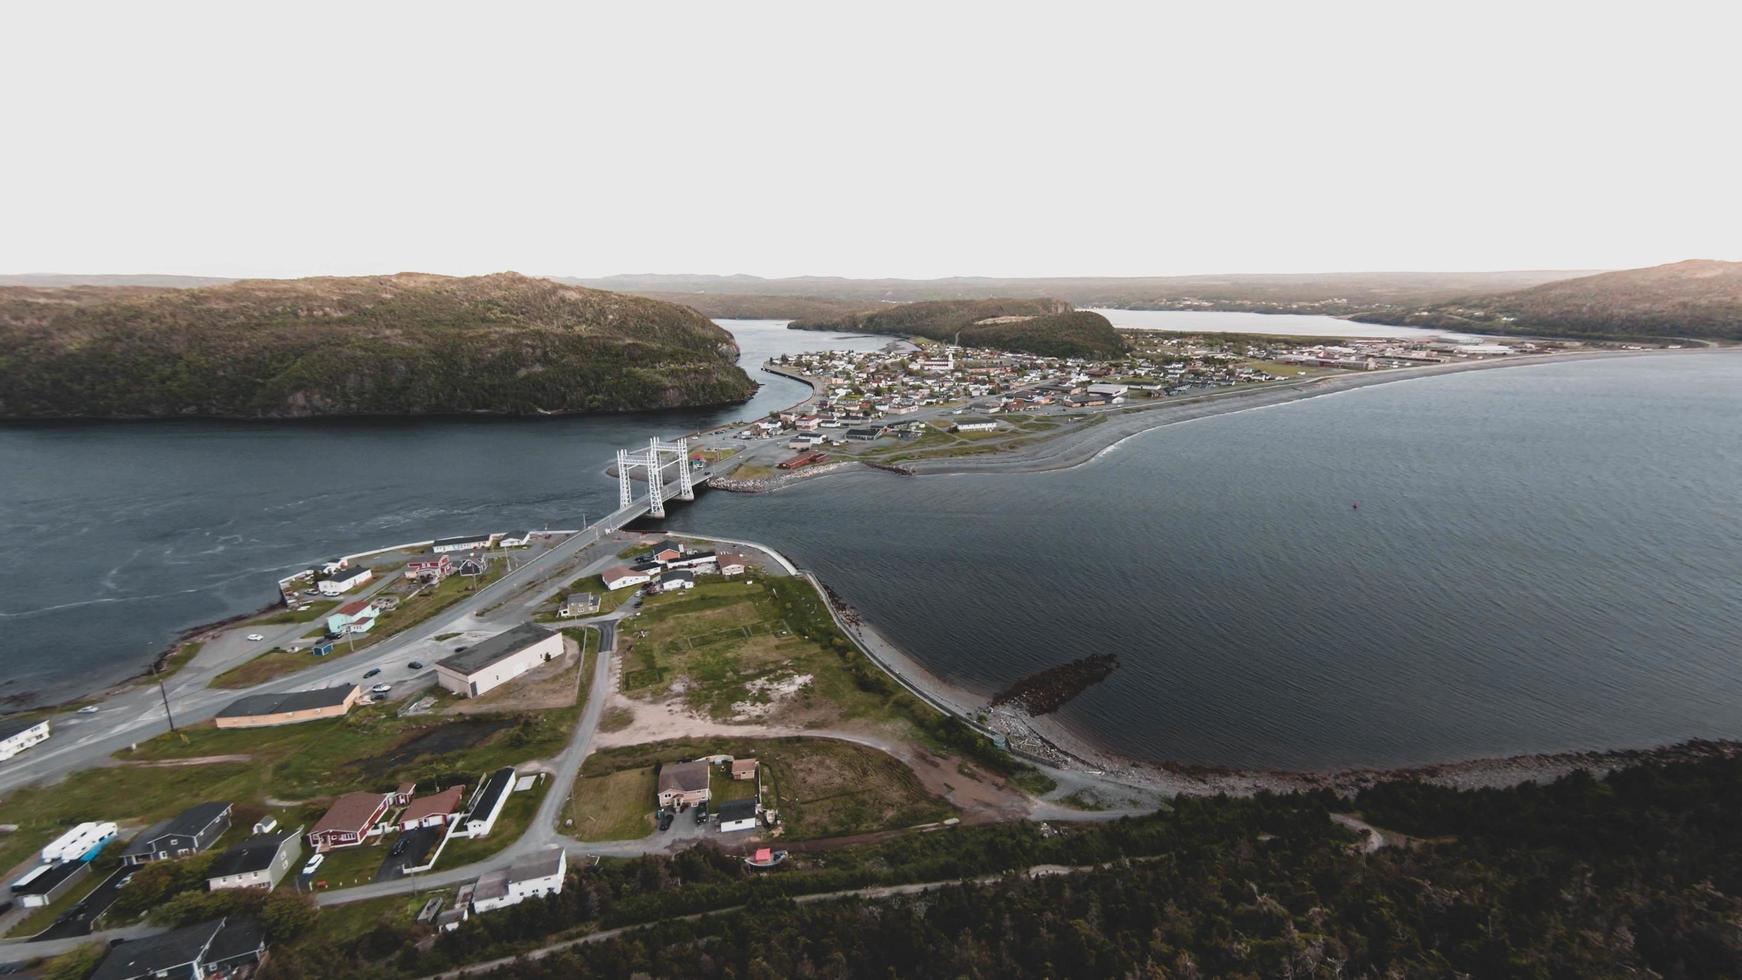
{"points": [[160, 953], [743, 765], [272, 704], [680, 576], [187, 823], [11, 727], [737, 810], [460, 540], [354, 607], [541, 864], [254, 854], [616, 572], [668, 545], [351, 812], [493, 788], [342, 574], [239, 937], [440, 804], [491, 885], [499, 647], [684, 777], [51, 879], [725, 558]]}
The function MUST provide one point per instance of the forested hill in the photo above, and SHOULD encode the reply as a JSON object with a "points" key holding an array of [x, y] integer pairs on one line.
{"points": [[407, 344], [1698, 299], [1048, 327]]}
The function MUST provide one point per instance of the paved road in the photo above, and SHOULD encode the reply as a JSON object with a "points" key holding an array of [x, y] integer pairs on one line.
{"points": [[84, 741], [74, 925]]}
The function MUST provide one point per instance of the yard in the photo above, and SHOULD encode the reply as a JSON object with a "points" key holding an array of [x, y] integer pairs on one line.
{"points": [[614, 806], [516, 816]]}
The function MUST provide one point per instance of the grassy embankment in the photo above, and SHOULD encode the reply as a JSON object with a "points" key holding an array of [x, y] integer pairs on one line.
{"points": [[412, 610]]}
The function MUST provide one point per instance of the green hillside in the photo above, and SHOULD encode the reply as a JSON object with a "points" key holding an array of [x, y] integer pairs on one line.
{"points": [[1048, 327], [407, 344]]}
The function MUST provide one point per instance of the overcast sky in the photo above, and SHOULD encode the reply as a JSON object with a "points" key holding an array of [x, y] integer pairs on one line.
{"points": [[927, 140]]}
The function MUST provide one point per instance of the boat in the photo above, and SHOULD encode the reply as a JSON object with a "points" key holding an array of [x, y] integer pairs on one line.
{"points": [[765, 858]]}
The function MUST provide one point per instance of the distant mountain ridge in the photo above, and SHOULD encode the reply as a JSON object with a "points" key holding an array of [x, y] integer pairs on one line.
{"points": [[1695, 299], [406, 344], [1044, 326]]}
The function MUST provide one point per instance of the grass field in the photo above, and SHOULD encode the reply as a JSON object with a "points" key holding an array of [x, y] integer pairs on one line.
{"points": [[615, 806], [820, 787], [310, 613]]}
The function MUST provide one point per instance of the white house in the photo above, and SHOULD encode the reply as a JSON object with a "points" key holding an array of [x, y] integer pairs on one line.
{"points": [[514, 539], [498, 660], [472, 542], [532, 876], [737, 815], [16, 736], [622, 576], [486, 805], [261, 861], [730, 563], [343, 580], [676, 581], [976, 425], [78, 843]]}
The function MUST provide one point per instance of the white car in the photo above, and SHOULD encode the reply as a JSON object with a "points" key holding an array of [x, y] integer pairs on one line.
{"points": [[89, 709], [381, 689], [313, 863], [256, 637]]}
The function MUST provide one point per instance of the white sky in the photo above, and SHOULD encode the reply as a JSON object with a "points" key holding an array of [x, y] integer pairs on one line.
{"points": [[925, 140]]}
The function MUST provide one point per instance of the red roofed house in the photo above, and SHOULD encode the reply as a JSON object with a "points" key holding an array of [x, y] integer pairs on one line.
{"points": [[347, 821], [433, 811]]}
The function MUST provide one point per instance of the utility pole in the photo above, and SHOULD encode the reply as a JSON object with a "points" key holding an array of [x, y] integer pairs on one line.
{"points": [[166, 712]]}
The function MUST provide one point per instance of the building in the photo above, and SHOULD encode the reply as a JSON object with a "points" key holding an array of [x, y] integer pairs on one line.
{"points": [[47, 882], [533, 876], [342, 580], [683, 784], [696, 560], [668, 551], [348, 821], [403, 794], [496, 661], [730, 563], [188, 832], [622, 577], [16, 736], [1110, 390], [475, 542], [438, 810], [472, 566], [737, 815], [744, 768], [487, 804], [265, 710], [864, 433], [82, 842], [677, 581], [266, 825], [976, 425], [579, 604], [429, 567], [322, 647], [219, 948], [261, 861], [514, 539], [357, 616]]}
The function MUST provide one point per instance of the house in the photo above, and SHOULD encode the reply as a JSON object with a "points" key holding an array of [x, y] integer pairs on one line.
{"points": [[403, 794], [219, 948], [265, 710], [668, 551], [82, 842], [677, 581], [474, 542], [321, 647], [357, 616], [683, 784], [16, 736], [265, 825], [578, 604], [744, 768], [438, 810], [472, 566], [261, 861], [430, 567], [622, 576], [514, 539], [487, 804], [864, 433], [737, 815], [493, 662], [533, 876], [46, 883], [975, 425], [342, 581], [188, 832], [698, 560], [348, 821], [730, 563], [1110, 390]]}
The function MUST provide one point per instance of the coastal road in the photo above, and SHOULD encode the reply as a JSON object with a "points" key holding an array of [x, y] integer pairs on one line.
{"points": [[137, 714]]}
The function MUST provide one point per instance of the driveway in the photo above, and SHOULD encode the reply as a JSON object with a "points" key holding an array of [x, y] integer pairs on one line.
{"points": [[418, 843], [95, 904]]}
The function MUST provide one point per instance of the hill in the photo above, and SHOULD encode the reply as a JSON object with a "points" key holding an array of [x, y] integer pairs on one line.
{"points": [[407, 344], [1699, 299], [1048, 327]]}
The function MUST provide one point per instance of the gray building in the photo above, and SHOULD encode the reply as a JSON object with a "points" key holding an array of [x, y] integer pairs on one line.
{"points": [[261, 861], [188, 832]]}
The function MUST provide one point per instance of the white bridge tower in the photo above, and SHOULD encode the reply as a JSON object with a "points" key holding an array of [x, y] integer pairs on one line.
{"points": [[653, 460]]}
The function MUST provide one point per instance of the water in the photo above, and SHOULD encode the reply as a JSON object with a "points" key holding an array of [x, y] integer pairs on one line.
{"points": [[1276, 324], [1544, 558], [125, 534]]}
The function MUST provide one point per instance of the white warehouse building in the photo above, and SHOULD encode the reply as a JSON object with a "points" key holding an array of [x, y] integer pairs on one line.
{"points": [[498, 660], [530, 877], [16, 736]]}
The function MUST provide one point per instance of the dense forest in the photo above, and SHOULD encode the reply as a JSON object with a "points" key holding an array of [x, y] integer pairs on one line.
{"points": [[1048, 327], [1636, 874], [387, 345], [1695, 299]]}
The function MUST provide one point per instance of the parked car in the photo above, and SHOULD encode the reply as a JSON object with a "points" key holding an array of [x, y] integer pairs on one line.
{"points": [[371, 672], [398, 848], [415, 665], [313, 863], [89, 709], [381, 689], [665, 817], [256, 637]]}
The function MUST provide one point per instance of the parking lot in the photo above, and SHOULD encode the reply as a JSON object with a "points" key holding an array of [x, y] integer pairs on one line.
{"points": [[418, 845]]}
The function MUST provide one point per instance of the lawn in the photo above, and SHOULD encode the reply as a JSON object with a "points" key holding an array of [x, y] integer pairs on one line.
{"points": [[820, 787], [516, 816], [270, 665], [615, 806], [347, 866]]}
